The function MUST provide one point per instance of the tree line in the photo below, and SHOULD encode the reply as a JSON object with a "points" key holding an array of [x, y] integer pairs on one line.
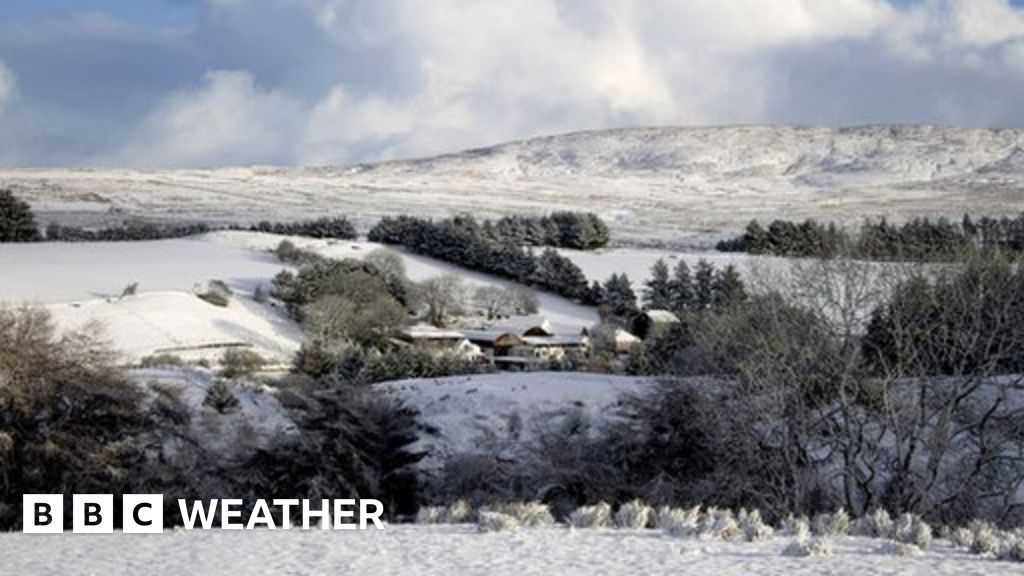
{"points": [[464, 241], [920, 239]]}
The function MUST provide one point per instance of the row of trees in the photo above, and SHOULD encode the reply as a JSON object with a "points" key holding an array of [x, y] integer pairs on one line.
{"points": [[462, 240], [920, 239], [579, 230]]}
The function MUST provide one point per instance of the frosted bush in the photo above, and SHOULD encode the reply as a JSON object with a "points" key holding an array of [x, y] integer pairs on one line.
{"points": [[677, 521], [835, 524], [459, 512], [753, 527], [596, 516], [723, 525], [986, 538], [962, 537], [1013, 549], [496, 522], [875, 524], [431, 515], [529, 514], [911, 529], [798, 527], [634, 515], [803, 547]]}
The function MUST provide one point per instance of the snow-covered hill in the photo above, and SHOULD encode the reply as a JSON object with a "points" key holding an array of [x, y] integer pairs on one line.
{"points": [[653, 184]]}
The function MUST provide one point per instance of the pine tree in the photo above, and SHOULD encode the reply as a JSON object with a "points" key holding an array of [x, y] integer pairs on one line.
{"points": [[16, 221], [681, 290], [729, 289], [657, 289], [619, 299], [704, 285], [756, 238]]}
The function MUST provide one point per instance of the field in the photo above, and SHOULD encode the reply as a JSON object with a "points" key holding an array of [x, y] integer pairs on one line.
{"points": [[459, 549]]}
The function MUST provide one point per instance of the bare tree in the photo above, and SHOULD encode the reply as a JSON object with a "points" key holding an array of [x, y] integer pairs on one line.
{"points": [[442, 296]]}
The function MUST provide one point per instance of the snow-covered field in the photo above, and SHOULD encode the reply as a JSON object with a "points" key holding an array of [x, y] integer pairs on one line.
{"points": [[652, 185], [500, 412], [448, 550]]}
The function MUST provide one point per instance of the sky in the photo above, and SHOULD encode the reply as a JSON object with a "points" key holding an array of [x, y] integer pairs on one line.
{"points": [[202, 83]]}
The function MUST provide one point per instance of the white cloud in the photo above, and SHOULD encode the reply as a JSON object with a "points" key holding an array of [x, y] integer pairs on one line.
{"points": [[228, 119], [334, 81]]}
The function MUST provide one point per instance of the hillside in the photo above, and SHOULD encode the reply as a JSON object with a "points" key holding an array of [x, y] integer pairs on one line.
{"points": [[654, 185]]}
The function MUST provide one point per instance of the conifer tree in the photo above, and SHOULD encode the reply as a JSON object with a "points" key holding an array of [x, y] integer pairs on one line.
{"points": [[16, 221], [729, 289], [704, 285], [681, 289], [657, 289]]}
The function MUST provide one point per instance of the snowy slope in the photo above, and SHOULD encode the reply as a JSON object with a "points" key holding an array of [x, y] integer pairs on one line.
{"points": [[449, 550], [500, 412], [652, 184]]}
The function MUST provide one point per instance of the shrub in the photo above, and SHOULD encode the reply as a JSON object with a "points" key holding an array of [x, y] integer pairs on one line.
{"points": [[835, 524], [678, 522], [459, 512], [962, 537], [220, 397], [796, 526], [240, 363], [985, 540], [496, 522], [633, 515], [910, 529], [875, 524], [1013, 550], [753, 526], [529, 514], [160, 360], [596, 516], [217, 293]]}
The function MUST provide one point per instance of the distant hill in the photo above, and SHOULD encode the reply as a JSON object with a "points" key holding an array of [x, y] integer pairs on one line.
{"points": [[654, 185]]}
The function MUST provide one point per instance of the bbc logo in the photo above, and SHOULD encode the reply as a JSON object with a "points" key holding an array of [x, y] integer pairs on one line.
{"points": [[92, 513]]}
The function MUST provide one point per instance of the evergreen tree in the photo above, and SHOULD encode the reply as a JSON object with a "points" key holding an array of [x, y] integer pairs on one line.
{"points": [[619, 299], [729, 289], [657, 289], [16, 221], [704, 285], [681, 289], [756, 238]]}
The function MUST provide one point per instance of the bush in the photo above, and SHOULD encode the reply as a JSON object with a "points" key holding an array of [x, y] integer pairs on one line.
{"points": [[634, 515], [217, 293], [875, 524], [835, 524], [161, 360], [220, 397], [496, 522], [753, 527], [325, 227], [529, 514], [911, 529], [596, 516], [240, 363], [985, 540], [677, 521]]}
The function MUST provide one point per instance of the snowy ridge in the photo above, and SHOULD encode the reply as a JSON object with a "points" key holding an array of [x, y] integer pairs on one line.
{"points": [[655, 185]]}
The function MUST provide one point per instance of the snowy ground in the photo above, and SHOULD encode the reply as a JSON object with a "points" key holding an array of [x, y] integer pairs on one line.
{"points": [[450, 550], [653, 185], [500, 412]]}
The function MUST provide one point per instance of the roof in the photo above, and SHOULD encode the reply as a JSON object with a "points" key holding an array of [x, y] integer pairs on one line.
{"points": [[535, 325], [428, 332], [489, 336], [623, 337], [556, 340], [661, 316]]}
